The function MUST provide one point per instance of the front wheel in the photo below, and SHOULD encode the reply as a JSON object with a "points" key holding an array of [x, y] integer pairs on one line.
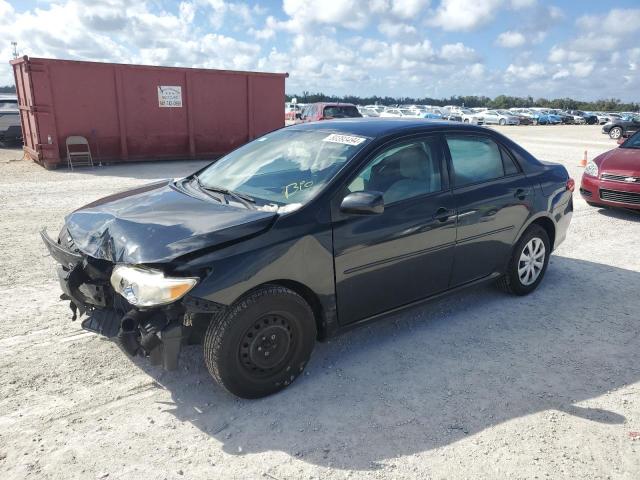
{"points": [[528, 262], [615, 133], [262, 343]]}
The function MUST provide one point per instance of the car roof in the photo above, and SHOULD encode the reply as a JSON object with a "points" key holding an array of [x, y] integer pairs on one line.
{"points": [[378, 127], [333, 104]]}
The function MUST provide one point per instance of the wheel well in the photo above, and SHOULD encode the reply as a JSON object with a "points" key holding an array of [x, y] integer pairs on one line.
{"points": [[310, 297], [549, 227]]}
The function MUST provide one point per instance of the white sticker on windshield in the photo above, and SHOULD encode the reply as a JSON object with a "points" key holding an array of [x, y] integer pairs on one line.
{"points": [[344, 139]]}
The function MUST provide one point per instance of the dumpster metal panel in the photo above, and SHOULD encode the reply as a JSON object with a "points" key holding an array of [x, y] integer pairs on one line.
{"points": [[136, 112]]}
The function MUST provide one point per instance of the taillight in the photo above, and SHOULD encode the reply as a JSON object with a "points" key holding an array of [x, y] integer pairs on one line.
{"points": [[571, 184]]}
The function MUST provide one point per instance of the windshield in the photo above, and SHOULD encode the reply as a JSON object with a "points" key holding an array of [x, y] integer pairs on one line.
{"points": [[343, 111], [284, 167]]}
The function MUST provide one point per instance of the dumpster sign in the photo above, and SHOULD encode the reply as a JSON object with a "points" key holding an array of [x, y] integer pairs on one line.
{"points": [[170, 96]]}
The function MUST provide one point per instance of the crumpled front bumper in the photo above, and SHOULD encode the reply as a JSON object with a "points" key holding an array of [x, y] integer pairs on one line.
{"points": [[157, 333]]}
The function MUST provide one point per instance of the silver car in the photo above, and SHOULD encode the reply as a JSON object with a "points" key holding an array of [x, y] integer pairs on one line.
{"points": [[493, 117]]}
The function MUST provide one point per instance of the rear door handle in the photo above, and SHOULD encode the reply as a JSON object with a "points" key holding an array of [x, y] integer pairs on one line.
{"points": [[520, 194], [443, 214]]}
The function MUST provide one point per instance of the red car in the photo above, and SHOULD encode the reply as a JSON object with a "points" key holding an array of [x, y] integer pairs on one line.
{"points": [[613, 178], [326, 111]]}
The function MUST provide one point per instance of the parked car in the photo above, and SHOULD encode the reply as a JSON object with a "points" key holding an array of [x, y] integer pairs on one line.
{"points": [[469, 116], [451, 116], [603, 117], [621, 128], [551, 118], [588, 118], [327, 111], [391, 113], [613, 178], [368, 112], [535, 117], [10, 126], [565, 117], [306, 232], [522, 118], [400, 113], [432, 116], [494, 117]]}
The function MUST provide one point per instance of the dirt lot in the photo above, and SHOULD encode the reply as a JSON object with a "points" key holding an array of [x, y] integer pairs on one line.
{"points": [[482, 385]]}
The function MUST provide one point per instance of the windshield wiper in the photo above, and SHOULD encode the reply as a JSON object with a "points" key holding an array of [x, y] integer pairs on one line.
{"points": [[243, 198]]}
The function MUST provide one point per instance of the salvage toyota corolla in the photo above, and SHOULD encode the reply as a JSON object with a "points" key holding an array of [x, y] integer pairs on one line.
{"points": [[306, 232]]}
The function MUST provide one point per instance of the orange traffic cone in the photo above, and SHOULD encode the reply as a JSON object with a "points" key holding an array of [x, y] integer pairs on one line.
{"points": [[583, 162]]}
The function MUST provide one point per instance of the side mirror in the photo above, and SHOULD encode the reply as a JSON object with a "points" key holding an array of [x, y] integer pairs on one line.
{"points": [[621, 140], [363, 203]]}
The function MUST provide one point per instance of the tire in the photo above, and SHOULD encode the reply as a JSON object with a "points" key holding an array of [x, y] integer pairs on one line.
{"points": [[466, 120], [615, 133], [502, 122], [272, 320], [512, 281]]}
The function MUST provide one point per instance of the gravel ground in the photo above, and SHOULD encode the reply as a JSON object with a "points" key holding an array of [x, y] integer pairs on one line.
{"points": [[483, 385]]}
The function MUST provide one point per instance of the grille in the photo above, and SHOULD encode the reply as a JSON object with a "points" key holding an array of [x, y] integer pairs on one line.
{"points": [[618, 178], [620, 197]]}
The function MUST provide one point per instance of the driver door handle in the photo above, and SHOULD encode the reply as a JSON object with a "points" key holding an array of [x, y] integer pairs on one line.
{"points": [[520, 194], [443, 214]]}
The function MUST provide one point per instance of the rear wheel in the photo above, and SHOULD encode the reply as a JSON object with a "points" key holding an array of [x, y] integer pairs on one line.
{"points": [[528, 262], [615, 133], [502, 121], [262, 344]]}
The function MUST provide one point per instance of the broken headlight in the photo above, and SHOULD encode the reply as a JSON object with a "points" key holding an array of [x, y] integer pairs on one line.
{"points": [[145, 287]]}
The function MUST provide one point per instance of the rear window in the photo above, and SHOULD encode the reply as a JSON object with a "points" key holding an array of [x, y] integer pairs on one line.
{"points": [[347, 111]]}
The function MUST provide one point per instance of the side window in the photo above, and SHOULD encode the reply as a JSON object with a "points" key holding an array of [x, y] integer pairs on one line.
{"points": [[403, 171], [475, 159], [509, 164]]}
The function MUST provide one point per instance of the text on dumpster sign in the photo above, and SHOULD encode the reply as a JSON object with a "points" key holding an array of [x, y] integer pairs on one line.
{"points": [[169, 96]]}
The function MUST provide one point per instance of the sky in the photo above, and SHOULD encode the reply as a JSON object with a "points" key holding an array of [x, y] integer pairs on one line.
{"points": [[584, 49]]}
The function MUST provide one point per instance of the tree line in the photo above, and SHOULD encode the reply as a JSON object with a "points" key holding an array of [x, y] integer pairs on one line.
{"points": [[471, 101]]}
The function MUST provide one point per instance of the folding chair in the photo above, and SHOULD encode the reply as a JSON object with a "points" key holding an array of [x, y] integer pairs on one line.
{"points": [[80, 153]]}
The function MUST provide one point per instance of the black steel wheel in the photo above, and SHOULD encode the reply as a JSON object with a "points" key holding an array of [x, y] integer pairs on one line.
{"points": [[262, 343], [266, 345]]}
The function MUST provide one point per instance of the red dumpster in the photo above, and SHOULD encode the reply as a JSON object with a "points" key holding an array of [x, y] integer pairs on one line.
{"points": [[138, 112]]}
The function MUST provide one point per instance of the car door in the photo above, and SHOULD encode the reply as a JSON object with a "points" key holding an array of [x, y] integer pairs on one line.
{"points": [[633, 127], [404, 254], [493, 200]]}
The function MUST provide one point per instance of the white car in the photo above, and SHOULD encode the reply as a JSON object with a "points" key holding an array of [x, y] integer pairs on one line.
{"points": [[367, 111], [400, 113], [469, 116], [493, 117]]}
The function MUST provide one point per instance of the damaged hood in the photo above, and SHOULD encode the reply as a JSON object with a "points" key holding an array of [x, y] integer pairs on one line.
{"points": [[157, 223]]}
